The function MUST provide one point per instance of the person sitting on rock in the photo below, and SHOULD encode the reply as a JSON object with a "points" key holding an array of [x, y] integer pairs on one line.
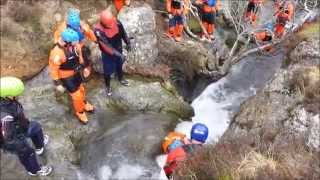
{"points": [[252, 10], [176, 10], [110, 33], [67, 67], [208, 9], [15, 128], [120, 3], [283, 15], [172, 141], [199, 135], [83, 29]]}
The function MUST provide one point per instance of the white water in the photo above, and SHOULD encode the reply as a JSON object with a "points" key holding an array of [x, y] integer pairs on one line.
{"points": [[218, 103]]}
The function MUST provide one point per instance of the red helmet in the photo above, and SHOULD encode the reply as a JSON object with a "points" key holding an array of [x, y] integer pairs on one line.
{"points": [[107, 19]]}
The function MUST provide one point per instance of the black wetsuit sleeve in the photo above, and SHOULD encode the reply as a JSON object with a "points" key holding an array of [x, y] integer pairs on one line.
{"points": [[124, 34], [103, 42]]}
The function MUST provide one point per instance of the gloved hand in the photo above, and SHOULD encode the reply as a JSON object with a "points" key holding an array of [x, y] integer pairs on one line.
{"points": [[60, 88], [170, 16], [86, 72], [121, 56], [79, 68], [129, 48]]}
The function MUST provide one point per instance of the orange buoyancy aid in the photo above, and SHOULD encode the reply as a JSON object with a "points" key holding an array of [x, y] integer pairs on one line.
{"points": [[170, 138]]}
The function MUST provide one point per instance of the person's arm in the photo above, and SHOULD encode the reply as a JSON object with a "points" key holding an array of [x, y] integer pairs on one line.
{"points": [[124, 34], [88, 32], [54, 64], [168, 6], [104, 44], [7, 126]]}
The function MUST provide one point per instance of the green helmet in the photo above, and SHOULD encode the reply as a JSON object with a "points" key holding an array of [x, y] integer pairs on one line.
{"points": [[10, 87]]}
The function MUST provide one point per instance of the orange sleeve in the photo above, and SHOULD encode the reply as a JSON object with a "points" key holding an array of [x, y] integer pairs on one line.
{"points": [[168, 5], [58, 31], [55, 59], [127, 2], [88, 32], [218, 5], [186, 5]]}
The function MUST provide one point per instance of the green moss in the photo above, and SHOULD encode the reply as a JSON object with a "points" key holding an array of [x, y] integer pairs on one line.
{"points": [[310, 31]]}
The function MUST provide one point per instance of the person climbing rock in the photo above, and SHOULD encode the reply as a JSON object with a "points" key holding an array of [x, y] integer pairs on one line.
{"points": [[84, 32], [283, 15], [120, 3], [172, 141], [208, 9], [176, 9], [15, 129], [110, 33], [67, 69], [199, 135], [252, 10]]}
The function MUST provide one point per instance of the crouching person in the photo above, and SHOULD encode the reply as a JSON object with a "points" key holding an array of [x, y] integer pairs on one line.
{"points": [[180, 151], [16, 129]]}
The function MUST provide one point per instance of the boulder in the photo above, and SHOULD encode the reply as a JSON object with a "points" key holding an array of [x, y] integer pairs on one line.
{"points": [[139, 23]]}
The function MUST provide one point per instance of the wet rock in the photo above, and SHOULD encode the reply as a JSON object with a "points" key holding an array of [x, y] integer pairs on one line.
{"points": [[145, 96], [27, 34], [284, 108]]}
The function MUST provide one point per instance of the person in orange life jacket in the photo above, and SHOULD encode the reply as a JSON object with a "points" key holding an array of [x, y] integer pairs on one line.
{"points": [[282, 17], [173, 140], [84, 32], [209, 9], [284, 13], [252, 10], [120, 3], [66, 64], [15, 128], [199, 135], [110, 33], [176, 10]]}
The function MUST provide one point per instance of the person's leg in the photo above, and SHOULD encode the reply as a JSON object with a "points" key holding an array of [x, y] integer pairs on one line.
{"points": [[27, 157], [179, 28], [78, 102], [36, 134], [108, 68], [172, 23], [118, 66]]}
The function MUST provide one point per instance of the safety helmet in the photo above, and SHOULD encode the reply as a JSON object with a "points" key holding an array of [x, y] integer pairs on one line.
{"points": [[175, 144], [10, 87], [69, 35], [73, 18], [107, 18], [199, 132]]}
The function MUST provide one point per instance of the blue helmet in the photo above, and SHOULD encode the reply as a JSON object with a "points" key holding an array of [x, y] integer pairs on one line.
{"points": [[175, 144], [73, 18], [199, 132], [69, 35]]}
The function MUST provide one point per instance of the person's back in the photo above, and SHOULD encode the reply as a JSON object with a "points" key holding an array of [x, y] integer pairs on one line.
{"points": [[15, 128], [198, 134]]}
